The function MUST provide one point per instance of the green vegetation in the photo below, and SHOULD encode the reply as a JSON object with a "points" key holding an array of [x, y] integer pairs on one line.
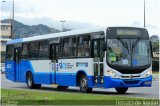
{"points": [[155, 46], [2, 56], [27, 97], [155, 72]]}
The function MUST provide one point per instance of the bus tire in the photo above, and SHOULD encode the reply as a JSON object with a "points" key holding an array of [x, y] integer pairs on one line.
{"points": [[121, 90], [62, 87], [83, 85], [30, 82]]}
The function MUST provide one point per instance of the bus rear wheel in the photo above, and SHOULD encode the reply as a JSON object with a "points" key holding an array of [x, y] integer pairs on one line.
{"points": [[121, 90], [83, 85], [30, 82]]}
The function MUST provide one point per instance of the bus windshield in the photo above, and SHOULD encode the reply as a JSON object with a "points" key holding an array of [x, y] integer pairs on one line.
{"points": [[141, 53], [128, 52]]}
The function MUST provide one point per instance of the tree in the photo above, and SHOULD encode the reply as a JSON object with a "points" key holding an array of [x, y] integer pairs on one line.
{"points": [[155, 46]]}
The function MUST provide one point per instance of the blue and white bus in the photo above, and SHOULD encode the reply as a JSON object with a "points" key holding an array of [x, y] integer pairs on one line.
{"points": [[110, 57]]}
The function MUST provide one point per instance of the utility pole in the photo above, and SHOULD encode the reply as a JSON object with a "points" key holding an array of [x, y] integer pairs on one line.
{"points": [[12, 19], [144, 15]]}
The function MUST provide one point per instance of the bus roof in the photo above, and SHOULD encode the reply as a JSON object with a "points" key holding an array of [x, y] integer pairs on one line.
{"points": [[56, 35], [61, 34]]}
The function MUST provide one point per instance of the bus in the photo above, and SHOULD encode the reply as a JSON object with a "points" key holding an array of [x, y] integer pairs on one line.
{"points": [[103, 57]]}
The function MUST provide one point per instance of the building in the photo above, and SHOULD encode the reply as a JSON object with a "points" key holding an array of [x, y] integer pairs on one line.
{"points": [[5, 30]]}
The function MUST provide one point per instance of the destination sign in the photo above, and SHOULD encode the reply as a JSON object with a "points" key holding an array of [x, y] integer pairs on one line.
{"points": [[128, 32]]}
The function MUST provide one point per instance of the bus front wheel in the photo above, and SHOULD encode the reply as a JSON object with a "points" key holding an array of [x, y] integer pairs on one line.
{"points": [[30, 82], [83, 85], [121, 90]]}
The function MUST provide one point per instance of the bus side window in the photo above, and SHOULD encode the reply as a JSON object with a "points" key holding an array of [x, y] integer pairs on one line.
{"points": [[43, 50], [83, 46], [25, 51], [72, 48], [33, 50], [10, 52], [66, 47], [69, 47]]}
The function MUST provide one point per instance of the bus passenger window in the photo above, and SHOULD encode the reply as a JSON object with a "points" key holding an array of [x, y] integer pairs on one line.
{"points": [[83, 46], [25, 51], [33, 50], [66, 47], [43, 50], [69, 47], [10, 52], [72, 46]]}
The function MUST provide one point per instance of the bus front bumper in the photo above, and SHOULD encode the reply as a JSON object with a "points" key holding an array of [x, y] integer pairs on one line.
{"points": [[110, 82]]}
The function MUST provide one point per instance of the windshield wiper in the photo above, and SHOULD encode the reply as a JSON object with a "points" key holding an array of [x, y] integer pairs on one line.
{"points": [[123, 43]]}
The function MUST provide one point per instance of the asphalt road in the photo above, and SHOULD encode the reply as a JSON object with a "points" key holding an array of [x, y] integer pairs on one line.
{"points": [[143, 92]]}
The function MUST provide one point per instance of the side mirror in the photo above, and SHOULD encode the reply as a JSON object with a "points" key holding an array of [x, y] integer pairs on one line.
{"points": [[104, 46]]}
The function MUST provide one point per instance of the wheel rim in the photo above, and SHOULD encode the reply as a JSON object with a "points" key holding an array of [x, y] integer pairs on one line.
{"points": [[84, 83], [29, 81]]}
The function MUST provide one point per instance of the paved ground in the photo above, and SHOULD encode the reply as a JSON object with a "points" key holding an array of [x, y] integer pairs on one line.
{"points": [[144, 92]]}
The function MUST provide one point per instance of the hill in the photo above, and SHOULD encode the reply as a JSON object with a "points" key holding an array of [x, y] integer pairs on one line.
{"points": [[21, 30]]}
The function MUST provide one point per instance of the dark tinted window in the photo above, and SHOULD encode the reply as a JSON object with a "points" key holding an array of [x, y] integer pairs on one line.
{"points": [[69, 47], [33, 50], [44, 50], [25, 51], [66, 47], [10, 52], [72, 46], [83, 46]]}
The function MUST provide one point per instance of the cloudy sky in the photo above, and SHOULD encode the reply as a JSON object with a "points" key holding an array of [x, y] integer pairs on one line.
{"points": [[85, 13]]}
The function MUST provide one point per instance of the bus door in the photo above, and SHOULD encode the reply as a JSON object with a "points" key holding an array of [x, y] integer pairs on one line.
{"points": [[17, 58], [98, 66], [54, 58]]}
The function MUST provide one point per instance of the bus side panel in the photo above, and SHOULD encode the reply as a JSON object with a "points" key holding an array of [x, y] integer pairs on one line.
{"points": [[90, 80], [42, 70], [24, 67], [68, 69], [42, 78], [9, 69], [66, 79]]}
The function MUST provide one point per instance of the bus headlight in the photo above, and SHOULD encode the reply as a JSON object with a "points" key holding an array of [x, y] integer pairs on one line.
{"points": [[147, 74], [112, 74]]}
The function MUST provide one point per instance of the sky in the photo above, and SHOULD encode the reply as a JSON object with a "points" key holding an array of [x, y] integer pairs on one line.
{"points": [[80, 14]]}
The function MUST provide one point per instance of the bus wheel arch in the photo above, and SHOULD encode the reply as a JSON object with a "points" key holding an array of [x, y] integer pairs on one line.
{"points": [[78, 76], [30, 81], [82, 77]]}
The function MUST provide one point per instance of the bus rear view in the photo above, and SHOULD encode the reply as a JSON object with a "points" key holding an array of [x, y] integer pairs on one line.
{"points": [[112, 57]]}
